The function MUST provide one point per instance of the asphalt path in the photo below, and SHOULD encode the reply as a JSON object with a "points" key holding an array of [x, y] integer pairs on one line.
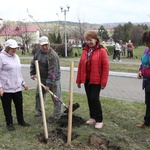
{"points": [[121, 85]]}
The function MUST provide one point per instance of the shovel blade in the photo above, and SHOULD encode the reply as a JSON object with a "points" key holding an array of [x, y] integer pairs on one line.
{"points": [[74, 107]]}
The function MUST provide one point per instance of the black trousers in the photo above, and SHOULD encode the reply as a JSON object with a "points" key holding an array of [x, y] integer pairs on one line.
{"points": [[93, 94], [147, 113], [130, 54], [6, 103]]}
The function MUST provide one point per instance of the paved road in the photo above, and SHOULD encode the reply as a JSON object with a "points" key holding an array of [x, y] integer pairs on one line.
{"points": [[124, 86]]}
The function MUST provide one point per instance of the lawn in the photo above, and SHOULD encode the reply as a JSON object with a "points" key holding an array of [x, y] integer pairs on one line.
{"points": [[119, 129]]}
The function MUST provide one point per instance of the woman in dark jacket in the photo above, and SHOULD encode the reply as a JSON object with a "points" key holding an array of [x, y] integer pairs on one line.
{"points": [[93, 71]]}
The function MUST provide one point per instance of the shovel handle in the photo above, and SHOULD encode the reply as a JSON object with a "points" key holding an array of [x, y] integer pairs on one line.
{"points": [[54, 95]]}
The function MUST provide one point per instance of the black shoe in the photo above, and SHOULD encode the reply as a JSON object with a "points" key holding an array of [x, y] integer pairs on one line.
{"points": [[24, 124], [10, 127], [52, 120], [38, 114]]}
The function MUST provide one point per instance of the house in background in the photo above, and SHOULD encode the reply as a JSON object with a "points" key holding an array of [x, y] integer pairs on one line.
{"points": [[23, 34]]}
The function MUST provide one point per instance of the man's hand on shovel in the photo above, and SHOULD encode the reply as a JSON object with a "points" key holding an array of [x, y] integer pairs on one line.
{"points": [[46, 89], [33, 77]]}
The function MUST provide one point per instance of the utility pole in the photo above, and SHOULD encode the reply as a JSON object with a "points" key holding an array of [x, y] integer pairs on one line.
{"points": [[65, 11]]}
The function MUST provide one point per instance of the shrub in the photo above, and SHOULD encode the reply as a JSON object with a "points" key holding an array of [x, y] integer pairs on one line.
{"points": [[110, 50], [60, 49]]}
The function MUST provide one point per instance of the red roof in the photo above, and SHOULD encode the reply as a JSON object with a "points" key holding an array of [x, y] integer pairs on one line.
{"points": [[17, 30]]}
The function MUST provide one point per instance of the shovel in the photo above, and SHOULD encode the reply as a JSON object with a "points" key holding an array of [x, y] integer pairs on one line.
{"points": [[74, 107]]}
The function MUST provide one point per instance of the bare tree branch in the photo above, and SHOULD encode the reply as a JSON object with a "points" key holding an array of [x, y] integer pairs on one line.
{"points": [[36, 22]]}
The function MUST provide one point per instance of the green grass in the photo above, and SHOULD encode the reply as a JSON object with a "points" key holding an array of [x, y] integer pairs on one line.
{"points": [[133, 68], [124, 68], [120, 118]]}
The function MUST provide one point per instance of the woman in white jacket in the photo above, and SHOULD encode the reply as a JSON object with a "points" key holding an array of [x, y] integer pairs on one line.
{"points": [[117, 52], [11, 82]]}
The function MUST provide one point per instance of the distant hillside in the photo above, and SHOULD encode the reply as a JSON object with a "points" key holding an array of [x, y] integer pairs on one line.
{"points": [[106, 25]]}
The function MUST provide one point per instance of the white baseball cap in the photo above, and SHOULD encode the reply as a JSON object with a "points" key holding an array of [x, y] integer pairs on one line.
{"points": [[43, 40], [11, 43]]}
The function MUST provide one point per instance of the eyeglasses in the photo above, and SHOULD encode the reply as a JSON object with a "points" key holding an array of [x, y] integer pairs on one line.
{"points": [[13, 49]]}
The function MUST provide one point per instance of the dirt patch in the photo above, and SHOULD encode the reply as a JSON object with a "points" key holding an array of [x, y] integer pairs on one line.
{"points": [[98, 141], [58, 137], [59, 133]]}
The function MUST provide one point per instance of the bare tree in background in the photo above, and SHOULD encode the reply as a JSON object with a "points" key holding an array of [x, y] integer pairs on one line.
{"points": [[136, 35]]}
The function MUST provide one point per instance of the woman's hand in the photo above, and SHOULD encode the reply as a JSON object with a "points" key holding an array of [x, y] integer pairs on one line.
{"points": [[1, 91], [25, 87], [102, 87], [139, 75], [79, 85]]}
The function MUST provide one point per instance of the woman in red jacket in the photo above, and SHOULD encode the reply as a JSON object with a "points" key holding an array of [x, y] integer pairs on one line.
{"points": [[93, 71]]}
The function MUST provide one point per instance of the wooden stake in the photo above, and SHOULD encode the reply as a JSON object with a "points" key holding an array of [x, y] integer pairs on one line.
{"points": [[41, 99], [70, 103]]}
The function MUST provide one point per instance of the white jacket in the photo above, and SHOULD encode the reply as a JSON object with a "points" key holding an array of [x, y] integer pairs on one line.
{"points": [[117, 47], [11, 79]]}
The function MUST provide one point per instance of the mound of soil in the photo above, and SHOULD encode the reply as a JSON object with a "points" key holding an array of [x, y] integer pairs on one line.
{"points": [[76, 121], [62, 133], [98, 141], [58, 137]]}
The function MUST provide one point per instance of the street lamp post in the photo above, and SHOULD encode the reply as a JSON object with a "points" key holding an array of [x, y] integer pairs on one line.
{"points": [[101, 31], [65, 11]]}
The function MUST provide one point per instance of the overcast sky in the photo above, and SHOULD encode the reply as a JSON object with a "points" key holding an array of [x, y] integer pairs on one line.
{"points": [[91, 11]]}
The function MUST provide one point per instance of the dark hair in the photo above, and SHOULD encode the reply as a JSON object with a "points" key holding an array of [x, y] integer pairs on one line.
{"points": [[146, 37]]}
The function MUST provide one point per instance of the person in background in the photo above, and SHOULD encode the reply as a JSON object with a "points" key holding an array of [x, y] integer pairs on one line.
{"points": [[11, 82], [130, 49], [50, 74], [114, 54], [124, 49], [117, 52], [104, 45], [23, 49], [93, 70], [144, 73]]}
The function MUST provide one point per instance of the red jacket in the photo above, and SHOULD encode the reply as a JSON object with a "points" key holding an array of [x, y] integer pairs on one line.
{"points": [[99, 66]]}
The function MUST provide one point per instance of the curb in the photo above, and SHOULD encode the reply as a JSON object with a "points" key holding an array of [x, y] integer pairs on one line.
{"points": [[111, 73]]}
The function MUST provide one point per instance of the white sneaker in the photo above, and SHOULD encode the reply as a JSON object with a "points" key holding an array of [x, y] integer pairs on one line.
{"points": [[91, 121], [114, 60], [99, 125], [120, 60]]}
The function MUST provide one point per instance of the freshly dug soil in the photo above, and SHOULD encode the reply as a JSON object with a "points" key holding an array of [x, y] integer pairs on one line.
{"points": [[76, 121], [58, 137]]}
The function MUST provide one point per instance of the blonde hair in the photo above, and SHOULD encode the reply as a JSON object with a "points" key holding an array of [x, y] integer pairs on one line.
{"points": [[92, 34]]}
